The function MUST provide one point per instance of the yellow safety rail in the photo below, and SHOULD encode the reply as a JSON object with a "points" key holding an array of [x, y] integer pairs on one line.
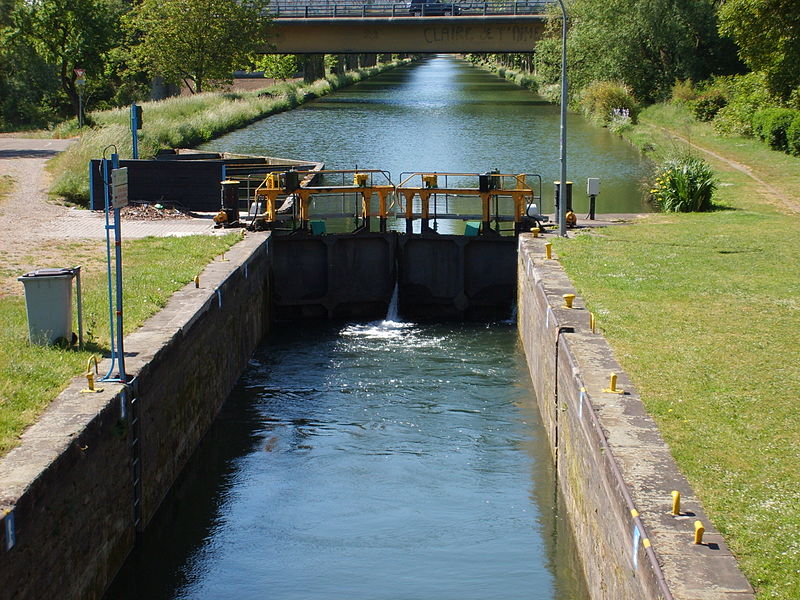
{"points": [[273, 187], [491, 186]]}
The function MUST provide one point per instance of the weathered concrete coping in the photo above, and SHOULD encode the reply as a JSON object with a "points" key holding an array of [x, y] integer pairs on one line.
{"points": [[611, 457], [95, 467]]}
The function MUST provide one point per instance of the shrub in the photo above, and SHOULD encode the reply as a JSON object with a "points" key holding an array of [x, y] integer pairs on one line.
{"points": [[684, 92], [793, 136], [748, 94], [683, 184], [708, 105], [600, 99], [772, 124]]}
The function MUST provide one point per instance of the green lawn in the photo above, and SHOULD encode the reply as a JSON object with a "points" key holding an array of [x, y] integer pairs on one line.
{"points": [[32, 376], [703, 312]]}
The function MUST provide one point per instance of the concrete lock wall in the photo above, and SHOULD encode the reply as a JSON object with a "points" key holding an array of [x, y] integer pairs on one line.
{"points": [[352, 276], [613, 467], [68, 495]]}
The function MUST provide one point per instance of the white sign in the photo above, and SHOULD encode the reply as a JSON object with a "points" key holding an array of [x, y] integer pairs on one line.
{"points": [[119, 187], [80, 73]]}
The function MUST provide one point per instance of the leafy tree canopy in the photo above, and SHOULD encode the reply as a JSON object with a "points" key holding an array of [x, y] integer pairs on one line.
{"points": [[768, 35], [646, 44], [278, 66], [199, 42], [70, 34]]}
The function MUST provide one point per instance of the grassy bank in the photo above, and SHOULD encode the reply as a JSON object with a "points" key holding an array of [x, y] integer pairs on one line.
{"points": [[184, 122], [32, 376], [703, 312]]}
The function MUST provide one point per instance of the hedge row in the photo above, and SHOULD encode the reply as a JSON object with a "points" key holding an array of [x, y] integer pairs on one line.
{"points": [[779, 128]]}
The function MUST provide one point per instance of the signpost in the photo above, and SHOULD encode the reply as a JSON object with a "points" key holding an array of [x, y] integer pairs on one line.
{"points": [[80, 81], [116, 196], [119, 187]]}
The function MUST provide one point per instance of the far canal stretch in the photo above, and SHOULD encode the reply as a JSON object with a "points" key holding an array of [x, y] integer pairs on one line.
{"points": [[443, 114], [378, 461]]}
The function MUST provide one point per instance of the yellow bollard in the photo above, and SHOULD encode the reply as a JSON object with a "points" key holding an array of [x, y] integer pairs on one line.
{"points": [[676, 502], [197, 281], [592, 322], [548, 251], [535, 231], [612, 385], [568, 300], [90, 389], [699, 530]]}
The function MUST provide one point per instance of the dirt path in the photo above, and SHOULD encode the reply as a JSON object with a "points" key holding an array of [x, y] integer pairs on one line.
{"points": [[774, 194], [36, 232]]}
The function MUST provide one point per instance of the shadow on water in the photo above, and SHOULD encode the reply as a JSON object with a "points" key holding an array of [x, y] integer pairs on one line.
{"points": [[380, 460]]}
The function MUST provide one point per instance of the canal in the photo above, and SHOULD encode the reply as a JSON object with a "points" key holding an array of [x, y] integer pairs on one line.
{"points": [[445, 115], [388, 460], [384, 461]]}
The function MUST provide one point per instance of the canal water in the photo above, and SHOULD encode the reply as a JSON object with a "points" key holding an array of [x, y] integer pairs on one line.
{"points": [[387, 460], [375, 461], [443, 114]]}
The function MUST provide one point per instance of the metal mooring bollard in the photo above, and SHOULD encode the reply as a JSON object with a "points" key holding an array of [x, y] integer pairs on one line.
{"points": [[676, 502], [699, 530], [90, 389], [548, 251], [568, 300], [612, 385]]}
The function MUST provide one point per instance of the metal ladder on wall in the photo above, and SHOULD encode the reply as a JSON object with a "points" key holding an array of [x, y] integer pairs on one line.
{"points": [[130, 409]]}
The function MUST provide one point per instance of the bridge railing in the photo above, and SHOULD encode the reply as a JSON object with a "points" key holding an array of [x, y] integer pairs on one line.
{"points": [[328, 9]]}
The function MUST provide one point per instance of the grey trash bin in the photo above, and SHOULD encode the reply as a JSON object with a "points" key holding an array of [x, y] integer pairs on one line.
{"points": [[48, 300]]}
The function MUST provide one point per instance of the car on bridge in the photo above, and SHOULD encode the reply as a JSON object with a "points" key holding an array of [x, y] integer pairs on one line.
{"points": [[431, 8]]}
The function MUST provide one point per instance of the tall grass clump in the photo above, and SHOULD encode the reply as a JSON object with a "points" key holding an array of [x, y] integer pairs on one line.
{"points": [[184, 122], [683, 184], [600, 101]]}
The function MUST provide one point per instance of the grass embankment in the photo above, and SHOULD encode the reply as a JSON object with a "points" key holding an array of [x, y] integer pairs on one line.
{"points": [[183, 122], [32, 376], [703, 312]]}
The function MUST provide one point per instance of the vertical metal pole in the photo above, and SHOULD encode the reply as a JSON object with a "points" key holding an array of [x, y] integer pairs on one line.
{"points": [[118, 256], [107, 197], [80, 110], [134, 131], [77, 271], [562, 188]]}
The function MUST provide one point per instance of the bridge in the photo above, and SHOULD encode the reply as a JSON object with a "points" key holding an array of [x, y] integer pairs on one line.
{"points": [[452, 27]]}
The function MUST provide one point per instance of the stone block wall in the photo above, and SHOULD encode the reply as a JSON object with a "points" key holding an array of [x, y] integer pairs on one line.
{"points": [[68, 502], [613, 467]]}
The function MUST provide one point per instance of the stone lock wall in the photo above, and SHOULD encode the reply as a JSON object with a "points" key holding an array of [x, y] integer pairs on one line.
{"points": [[96, 466], [613, 467]]}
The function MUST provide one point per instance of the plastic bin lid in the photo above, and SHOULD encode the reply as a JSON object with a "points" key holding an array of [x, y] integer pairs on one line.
{"points": [[48, 273]]}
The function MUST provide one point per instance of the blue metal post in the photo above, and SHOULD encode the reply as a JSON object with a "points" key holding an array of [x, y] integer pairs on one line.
{"points": [[105, 166], [115, 325], [118, 254], [134, 129]]}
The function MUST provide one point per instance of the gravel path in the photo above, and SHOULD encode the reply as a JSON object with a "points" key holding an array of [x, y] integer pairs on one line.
{"points": [[36, 232]]}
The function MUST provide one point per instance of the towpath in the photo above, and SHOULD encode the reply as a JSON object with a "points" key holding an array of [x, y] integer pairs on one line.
{"points": [[36, 231]]}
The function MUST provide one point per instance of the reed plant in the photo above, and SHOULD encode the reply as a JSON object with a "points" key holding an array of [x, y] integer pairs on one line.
{"points": [[684, 183]]}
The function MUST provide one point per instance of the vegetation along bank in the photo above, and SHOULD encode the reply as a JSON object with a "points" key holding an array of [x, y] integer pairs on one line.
{"points": [[701, 306]]}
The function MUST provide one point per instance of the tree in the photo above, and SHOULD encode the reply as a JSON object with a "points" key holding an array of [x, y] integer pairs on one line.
{"points": [[768, 35], [278, 66], [70, 34], [199, 42], [646, 44]]}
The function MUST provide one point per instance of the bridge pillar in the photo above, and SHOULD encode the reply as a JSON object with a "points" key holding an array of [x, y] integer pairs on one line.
{"points": [[314, 67]]}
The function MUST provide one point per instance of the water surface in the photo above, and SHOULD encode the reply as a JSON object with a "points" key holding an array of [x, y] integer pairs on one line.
{"points": [[375, 461], [442, 114]]}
